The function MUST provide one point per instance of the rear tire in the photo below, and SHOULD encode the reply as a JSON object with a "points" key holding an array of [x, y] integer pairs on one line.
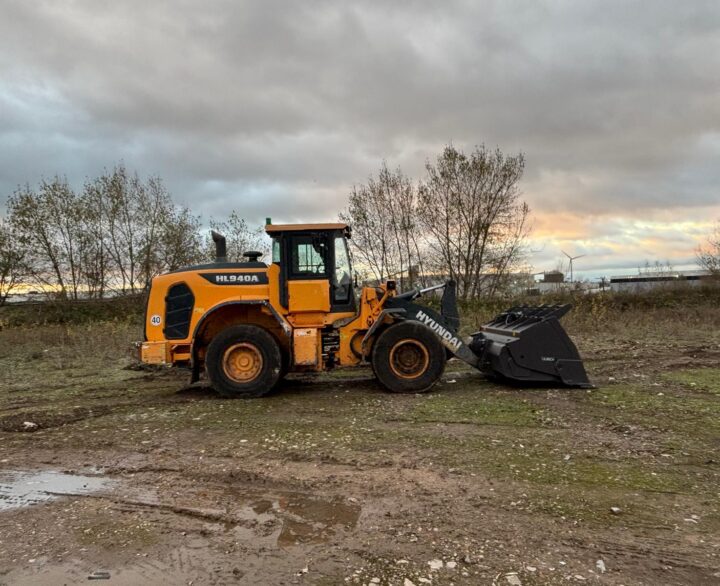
{"points": [[243, 362], [408, 358]]}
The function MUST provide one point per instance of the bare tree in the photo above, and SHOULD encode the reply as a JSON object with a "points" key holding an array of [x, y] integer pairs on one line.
{"points": [[97, 269], [47, 223], [178, 243], [13, 267], [383, 215], [708, 255], [119, 232], [471, 210], [134, 215]]}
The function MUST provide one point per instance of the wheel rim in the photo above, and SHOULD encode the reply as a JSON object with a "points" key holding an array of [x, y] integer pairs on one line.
{"points": [[242, 362], [409, 358]]}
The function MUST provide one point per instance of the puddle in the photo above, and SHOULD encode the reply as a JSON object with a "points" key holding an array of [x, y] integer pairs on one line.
{"points": [[274, 531], [311, 520], [180, 566], [294, 518], [21, 489]]}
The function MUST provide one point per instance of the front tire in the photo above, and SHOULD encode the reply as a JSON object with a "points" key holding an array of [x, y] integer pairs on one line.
{"points": [[408, 358], [243, 361]]}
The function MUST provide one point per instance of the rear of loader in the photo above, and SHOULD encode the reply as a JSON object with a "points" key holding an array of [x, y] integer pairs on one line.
{"points": [[524, 345]]}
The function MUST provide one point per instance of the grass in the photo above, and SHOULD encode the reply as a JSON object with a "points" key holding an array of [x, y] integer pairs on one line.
{"points": [[663, 408], [697, 379], [572, 454], [481, 408]]}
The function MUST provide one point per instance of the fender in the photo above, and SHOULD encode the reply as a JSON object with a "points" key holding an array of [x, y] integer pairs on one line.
{"points": [[437, 324], [287, 330]]}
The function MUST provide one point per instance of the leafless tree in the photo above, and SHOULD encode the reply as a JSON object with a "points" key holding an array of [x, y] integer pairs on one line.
{"points": [[13, 267], [384, 219], [97, 261], [135, 214], [471, 210], [708, 255], [47, 224], [118, 233], [178, 243]]}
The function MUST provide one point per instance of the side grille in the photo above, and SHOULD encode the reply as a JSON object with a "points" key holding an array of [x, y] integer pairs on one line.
{"points": [[178, 311]]}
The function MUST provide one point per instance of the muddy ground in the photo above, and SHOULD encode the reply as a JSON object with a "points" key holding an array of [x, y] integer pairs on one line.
{"points": [[127, 477]]}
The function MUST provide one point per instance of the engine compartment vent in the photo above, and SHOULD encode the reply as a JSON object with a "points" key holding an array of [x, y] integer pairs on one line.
{"points": [[179, 304]]}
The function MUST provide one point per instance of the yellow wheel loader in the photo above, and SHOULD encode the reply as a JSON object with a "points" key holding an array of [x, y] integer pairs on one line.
{"points": [[248, 324]]}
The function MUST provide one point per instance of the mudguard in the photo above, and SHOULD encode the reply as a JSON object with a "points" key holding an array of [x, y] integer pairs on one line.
{"points": [[437, 323]]}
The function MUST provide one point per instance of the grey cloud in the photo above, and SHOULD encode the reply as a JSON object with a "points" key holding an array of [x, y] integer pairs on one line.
{"points": [[284, 105]]}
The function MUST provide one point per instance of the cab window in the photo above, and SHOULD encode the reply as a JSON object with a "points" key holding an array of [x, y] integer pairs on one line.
{"points": [[342, 280], [308, 256]]}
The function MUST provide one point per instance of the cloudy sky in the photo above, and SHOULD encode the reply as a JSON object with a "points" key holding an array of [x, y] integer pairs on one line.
{"points": [[278, 108]]}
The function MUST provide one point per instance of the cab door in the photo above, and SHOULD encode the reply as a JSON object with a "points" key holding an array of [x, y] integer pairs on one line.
{"points": [[308, 272], [342, 294]]}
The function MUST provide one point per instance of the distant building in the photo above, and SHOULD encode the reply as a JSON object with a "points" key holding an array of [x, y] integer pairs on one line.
{"points": [[553, 281], [649, 281], [553, 277]]}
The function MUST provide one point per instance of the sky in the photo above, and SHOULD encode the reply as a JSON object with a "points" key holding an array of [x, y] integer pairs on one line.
{"points": [[276, 109]]}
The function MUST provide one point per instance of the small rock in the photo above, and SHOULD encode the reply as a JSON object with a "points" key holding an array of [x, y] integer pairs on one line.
{"points": [[531, 568], [513, 580], [99, 575], [408, 582], [451, 565], [374, 580], [424, 580], [567, 457], [401, 562], [467, 559], [615, 510], [29, 425], [600, 565], [579, 577], [450, 382], [435, 564]]}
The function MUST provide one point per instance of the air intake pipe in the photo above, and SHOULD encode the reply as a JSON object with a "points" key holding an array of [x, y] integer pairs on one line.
{"points": [[220, 247]]}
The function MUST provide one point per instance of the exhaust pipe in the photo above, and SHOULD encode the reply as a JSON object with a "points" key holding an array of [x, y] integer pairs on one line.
{"points": [[220, 246]]}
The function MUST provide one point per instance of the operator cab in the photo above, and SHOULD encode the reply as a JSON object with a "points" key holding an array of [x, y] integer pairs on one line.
{"points": [[314, 252]]}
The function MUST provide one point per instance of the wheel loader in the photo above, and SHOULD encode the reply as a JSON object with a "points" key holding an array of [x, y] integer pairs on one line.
{"points": [[247, 324]]}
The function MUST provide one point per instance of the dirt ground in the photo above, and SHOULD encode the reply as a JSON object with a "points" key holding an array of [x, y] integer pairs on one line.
{"points": [[129, 477]]}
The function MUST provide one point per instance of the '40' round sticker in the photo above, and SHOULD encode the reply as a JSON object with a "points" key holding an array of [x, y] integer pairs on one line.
{"points": [[156, 320]]}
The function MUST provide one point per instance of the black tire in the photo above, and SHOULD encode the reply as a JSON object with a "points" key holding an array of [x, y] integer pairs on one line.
{"points": [[407, 357], [244, 362]]}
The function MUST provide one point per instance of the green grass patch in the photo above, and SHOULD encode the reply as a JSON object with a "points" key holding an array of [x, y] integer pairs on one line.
{"points": [[700, 379], [477, 408], [655, 407]]}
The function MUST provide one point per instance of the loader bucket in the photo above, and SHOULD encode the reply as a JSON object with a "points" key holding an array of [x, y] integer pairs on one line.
{"points": [[527, 345]]}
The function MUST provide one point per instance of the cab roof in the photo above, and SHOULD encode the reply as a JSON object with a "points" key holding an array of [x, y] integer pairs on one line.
{"points": [[274, 228]]}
